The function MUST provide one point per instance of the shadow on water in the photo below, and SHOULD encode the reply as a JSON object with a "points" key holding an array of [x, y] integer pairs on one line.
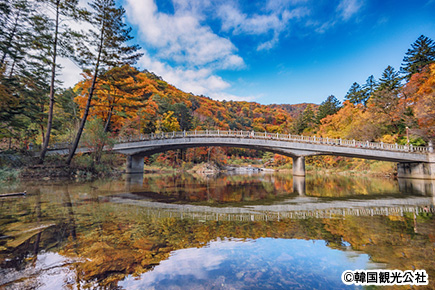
{"points": [[228, 232]]}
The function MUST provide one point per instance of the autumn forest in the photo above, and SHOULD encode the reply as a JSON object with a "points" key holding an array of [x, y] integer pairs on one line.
{"points": [[114, 98]]}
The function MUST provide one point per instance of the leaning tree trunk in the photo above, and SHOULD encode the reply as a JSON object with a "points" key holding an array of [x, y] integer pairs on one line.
{"points": [[88, 103], [85, 116], [109, 117]]}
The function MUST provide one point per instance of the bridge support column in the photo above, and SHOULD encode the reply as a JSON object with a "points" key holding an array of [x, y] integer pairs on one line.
{"points": [[416, 170], [299, 166], [135, 164]]}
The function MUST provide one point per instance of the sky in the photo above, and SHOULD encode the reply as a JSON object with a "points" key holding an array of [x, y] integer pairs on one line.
{"points": [[273, 51]]}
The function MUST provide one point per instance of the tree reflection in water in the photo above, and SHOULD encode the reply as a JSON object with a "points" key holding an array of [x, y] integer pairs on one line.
{"points": [[77, 231]]}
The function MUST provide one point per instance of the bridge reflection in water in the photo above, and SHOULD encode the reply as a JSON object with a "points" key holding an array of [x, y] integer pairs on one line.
{"points": [[417, 186], [299, 206]]}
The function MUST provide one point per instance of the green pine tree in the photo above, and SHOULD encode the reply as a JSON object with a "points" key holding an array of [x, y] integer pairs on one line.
{"points": [[421, 53], [328, 107], [369, 88], [355, 95], [390, 80]]}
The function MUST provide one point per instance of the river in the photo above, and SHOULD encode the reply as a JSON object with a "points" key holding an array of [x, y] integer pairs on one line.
{"points": [[241, 231]]}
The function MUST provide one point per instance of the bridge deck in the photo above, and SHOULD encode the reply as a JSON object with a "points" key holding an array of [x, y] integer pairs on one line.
{"points": [[281, 137]]}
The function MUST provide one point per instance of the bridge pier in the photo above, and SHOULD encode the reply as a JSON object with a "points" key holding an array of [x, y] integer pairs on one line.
{"points": [[299, 166], [416, 170], [134, 164]]}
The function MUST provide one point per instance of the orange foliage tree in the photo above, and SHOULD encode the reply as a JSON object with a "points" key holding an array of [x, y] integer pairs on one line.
{"points": [[424, 99], [117, 96]]}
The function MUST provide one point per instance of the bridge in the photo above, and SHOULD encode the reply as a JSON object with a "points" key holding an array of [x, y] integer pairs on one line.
{"points": [[413, 161]]}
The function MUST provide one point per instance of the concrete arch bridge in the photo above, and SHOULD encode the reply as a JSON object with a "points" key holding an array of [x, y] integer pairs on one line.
{"points": [[413, 162]]}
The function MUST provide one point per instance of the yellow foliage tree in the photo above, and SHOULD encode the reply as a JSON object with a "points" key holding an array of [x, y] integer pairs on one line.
{"points": [[168, 123]]}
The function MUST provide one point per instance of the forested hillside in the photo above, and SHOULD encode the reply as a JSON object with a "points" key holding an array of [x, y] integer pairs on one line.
{"points": [[133, 102]]}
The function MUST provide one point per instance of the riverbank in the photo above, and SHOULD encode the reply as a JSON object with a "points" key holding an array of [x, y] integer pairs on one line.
{"points": [[15, 166], [53, 171], [50, 171]]}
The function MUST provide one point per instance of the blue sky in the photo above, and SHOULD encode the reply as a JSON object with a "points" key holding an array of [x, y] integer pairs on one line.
{"points": [[275, 51]]}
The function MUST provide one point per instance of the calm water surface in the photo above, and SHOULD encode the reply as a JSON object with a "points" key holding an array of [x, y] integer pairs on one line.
{"points": [[180, 231]]}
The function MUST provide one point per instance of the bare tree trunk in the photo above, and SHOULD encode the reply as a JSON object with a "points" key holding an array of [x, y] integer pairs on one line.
{"points": [[88, 103], [42, 129], [53, 77], [38, 219], [71, 219], [109, 116], [11, 73]]}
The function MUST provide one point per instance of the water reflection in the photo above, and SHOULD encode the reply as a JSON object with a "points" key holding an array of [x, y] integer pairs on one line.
{"points": [[270, 188], [133, 180], [253, 264], [299, 185], [109, 233], [417, 186]]}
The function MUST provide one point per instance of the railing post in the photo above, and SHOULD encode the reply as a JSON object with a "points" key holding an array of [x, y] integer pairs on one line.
{"points": [[382, 145], [430, 146], [353, 142], [411, 147], [218, 132], [340, 141], [277, 135], [184, 133], [327, 140]]}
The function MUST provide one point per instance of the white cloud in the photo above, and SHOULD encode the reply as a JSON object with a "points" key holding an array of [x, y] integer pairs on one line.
{"points": [[70, 73], [181, 37], [201, 81], [281, 4], [233, 19], [273, 23], [348, 8]]}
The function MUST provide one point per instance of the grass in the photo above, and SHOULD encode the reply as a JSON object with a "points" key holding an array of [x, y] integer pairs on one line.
{"points": [[9, 174]]}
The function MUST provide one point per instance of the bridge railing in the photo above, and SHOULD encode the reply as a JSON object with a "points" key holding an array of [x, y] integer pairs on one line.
{"points": [[270, 136]]}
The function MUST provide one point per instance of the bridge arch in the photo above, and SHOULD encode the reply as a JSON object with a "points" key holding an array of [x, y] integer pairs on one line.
{"points": [[135, 156]]}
